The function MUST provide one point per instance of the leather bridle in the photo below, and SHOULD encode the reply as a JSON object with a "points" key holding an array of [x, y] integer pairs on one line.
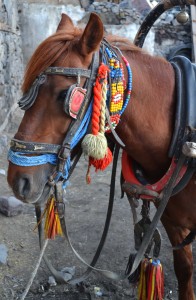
{"points": [[63, 151]]}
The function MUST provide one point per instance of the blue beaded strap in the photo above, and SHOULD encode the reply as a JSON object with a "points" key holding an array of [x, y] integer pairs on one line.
{"points": [[116, 101]]}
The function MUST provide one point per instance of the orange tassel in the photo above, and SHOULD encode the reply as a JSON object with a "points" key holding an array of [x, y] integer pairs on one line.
{"points": [[52, 222]]}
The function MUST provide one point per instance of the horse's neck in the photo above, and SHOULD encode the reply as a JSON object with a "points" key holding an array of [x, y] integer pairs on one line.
{"points": [[147, 124]]}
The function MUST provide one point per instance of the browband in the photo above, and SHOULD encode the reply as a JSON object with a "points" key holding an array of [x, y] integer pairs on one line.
{"points": [[68, 71]]}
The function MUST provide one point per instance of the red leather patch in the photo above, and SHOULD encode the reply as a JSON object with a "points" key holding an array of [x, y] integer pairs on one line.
{"points": [[76, 100], [129, 176]]}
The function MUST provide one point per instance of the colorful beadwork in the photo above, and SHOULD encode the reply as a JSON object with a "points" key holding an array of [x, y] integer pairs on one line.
{"points": [[116, 103]]}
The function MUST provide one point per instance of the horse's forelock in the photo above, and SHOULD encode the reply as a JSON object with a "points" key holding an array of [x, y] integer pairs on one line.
{"points": [[47, 53]]}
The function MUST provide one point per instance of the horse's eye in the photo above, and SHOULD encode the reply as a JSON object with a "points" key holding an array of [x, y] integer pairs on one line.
{"points": [[62, 95]]}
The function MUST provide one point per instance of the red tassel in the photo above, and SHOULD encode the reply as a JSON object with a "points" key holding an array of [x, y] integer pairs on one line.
{"points": [[101, 164]]}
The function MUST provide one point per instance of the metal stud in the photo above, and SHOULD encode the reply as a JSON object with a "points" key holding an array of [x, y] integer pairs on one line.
{"points": [[182, 17]]}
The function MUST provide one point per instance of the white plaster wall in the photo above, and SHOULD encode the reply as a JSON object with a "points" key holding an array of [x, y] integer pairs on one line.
{"points": [[38, 21]]}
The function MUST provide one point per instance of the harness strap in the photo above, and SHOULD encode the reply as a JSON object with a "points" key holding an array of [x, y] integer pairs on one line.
{"points": [[166, 194], [73, 72], [29, 147], [29, 98], [75, 124]]}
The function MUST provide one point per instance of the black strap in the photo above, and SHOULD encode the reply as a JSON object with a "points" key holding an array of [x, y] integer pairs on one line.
{"points": [[166, 194], [73, 72], [35, 147], [74, 125], [29, 98]]}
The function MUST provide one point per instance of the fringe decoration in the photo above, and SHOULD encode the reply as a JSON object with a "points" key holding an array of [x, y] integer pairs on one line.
{"points": [[151, 283], [52, 222], [95, 145]]}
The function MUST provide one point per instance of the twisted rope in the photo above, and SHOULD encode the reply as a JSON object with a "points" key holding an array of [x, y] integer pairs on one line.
{"points": [[103, 107]]}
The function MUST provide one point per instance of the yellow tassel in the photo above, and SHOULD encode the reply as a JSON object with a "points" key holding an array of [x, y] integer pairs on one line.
{"points": [[52, 222], [142, 281]]}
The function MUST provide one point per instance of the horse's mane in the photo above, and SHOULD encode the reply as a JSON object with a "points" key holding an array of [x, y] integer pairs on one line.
{"points": [[51, 49]]}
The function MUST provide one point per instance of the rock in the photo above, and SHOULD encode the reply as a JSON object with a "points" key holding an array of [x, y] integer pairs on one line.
{"points": [[10, 206], [3, 254], [2, 172], [52, 281], [70, 270]]}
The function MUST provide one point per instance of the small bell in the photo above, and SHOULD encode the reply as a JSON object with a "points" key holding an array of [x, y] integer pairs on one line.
{"points": [[182, 17]]}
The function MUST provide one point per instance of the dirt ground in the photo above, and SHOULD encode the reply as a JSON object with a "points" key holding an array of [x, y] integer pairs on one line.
{"points": [[86, 211]]}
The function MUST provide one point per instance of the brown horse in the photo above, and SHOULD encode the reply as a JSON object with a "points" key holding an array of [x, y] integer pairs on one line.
{"points": [[145, 128]]}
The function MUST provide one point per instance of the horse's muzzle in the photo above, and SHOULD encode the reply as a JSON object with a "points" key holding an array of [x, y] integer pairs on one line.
{"points": [[30, 186]]}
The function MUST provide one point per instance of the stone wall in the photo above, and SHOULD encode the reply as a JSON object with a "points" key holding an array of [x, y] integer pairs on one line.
{"points": [[11, 65], [43, 19], [38, 20], [170, 35]]}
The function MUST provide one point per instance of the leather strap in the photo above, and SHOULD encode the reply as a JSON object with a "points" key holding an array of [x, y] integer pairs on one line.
{"points": [[73, 72], [33, 147], [29, 98], [166, 194]]}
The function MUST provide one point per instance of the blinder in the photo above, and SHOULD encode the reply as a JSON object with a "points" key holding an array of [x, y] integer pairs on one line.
{"points": [[73, 100], [75, 95], [29, 98]]}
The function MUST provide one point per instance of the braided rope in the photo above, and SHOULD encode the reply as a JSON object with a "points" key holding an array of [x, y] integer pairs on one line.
{"points": [[103, 107], [96, 107], [95, 144]]}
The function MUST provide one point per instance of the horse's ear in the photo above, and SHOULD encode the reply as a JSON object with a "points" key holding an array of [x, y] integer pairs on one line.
{"points": [[65, 22], [92, 35]]}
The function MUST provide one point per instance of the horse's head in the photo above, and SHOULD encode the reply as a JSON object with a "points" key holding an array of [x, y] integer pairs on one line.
{"points": [[59, 66]]}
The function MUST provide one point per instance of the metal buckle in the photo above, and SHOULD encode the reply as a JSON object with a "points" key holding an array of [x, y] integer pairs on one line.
{"points": [[64, 152], [60, 208]]}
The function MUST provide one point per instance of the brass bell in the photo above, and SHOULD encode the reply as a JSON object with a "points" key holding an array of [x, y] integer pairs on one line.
{"points": [[182, 17]]}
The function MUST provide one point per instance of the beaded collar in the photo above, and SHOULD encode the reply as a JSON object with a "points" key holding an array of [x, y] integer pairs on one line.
{"points": [[116, 102]]}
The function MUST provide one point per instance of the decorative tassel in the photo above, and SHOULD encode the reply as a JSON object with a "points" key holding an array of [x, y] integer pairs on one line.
{"points": [[101, 164], [95, 145], [142, 281], [151, 283], [52, 222]]}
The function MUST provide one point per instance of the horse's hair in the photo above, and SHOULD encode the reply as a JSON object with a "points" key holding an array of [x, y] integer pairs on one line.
{"points": [[54, 46], [47, 53], [57, 46]]}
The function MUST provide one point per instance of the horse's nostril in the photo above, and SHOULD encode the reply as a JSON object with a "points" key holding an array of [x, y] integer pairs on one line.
{"points": [[24, 186]]}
